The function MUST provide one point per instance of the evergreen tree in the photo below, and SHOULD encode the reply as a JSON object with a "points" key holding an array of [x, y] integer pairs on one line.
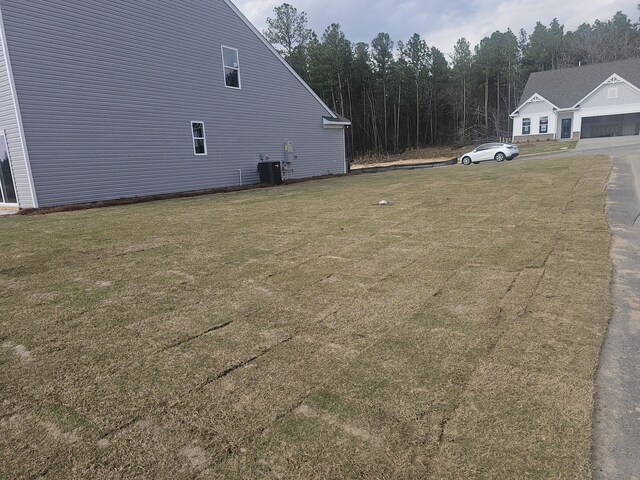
{"points": [[416, 56], [462, 62], [288, 32], [417, 92], [382, 54]]}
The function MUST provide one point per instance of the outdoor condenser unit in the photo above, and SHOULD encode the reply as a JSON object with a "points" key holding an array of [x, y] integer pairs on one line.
{"points": [[270, 173]]}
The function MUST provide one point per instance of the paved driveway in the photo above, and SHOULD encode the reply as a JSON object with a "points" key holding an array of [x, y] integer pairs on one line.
{"points": [[608, 143], [616, 442]]}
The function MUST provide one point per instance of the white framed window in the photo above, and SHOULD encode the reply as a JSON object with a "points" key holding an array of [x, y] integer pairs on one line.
{"points": [[199, 138], [231, 67], [544, 125], [612, 92]]}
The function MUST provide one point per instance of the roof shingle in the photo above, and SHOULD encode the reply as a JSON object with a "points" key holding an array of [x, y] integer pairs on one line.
{"points": [[566, 87]]}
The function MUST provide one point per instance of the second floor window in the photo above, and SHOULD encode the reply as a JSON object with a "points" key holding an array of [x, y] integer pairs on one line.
{"points": [[231, 65]]}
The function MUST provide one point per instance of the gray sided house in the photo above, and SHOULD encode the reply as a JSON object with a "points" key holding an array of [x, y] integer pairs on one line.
{"points": [[589, 101], [109, 99]]}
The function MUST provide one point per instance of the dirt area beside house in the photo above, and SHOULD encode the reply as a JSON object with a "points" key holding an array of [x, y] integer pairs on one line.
{"points": [[358, 166]]}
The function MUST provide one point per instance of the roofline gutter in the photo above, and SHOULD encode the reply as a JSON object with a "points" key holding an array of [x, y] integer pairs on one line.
{"points": [[328, 123]]}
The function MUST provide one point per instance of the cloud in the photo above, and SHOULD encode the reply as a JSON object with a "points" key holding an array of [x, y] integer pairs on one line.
{"points": [[439, 23]]}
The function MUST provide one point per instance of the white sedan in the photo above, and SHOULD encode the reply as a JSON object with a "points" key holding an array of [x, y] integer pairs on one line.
{"points": [[490, 151]]}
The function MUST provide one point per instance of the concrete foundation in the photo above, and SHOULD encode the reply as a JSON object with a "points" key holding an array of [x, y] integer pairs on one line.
{"points": [[534, 138]]}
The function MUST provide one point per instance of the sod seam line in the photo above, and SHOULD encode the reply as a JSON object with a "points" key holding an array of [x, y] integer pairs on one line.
{"points": [[195, 337]]}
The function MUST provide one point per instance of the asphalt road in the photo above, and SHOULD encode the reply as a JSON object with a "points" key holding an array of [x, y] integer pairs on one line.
{"points": [[616, 437]]}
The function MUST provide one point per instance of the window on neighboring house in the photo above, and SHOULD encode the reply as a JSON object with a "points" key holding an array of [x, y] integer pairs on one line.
{"points": [[199, 140], [526, 126], [544, 124], [231, 66]]}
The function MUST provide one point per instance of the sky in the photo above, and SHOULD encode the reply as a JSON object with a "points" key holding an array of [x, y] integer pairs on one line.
{"points": [[440, 22]]}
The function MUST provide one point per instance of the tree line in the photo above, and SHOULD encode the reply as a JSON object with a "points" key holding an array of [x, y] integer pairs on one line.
{"points": [[407, 94]]}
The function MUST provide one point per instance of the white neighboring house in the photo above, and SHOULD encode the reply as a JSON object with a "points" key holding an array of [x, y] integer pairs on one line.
{"points": [[581, 102]]}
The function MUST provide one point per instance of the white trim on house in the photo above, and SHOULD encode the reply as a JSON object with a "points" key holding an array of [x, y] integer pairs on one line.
{"points": [[344, 149], [326, 123], [203, 138], [14, 94], [224, 67], [612, 80], [275, 52], [13, 177], [536, 97]]}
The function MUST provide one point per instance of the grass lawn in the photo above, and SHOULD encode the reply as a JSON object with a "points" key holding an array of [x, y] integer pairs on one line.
{"points": [[306, 332], [546, 147]]}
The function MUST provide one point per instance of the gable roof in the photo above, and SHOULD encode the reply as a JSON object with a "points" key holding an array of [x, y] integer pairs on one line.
{"points": [[536, 97], [568, 86]]}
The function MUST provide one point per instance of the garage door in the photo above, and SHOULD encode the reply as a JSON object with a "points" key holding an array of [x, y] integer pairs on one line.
{"points": [[610, 126]]}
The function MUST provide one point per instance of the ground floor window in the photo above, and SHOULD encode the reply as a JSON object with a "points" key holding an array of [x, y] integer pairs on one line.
{"points": [[199, 140], [7, 189], [526, 126], [544, 124]]}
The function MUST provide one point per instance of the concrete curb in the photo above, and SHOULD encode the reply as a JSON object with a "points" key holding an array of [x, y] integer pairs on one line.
{"points": [[552, 152]]}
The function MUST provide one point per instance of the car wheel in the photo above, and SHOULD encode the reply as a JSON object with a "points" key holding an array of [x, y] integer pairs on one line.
{"points": [[500, 157], [466, 160]]}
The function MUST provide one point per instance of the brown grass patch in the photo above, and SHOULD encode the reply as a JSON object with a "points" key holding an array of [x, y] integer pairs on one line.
{"points": [[307, 332]]}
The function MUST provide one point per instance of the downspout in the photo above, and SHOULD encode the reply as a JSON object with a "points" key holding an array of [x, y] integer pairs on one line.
{"points": [[344, 149]]}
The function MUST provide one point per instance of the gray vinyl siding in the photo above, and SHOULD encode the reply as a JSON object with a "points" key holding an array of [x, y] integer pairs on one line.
{"points": [[108, 91], [9, 124], [600, 98]]}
